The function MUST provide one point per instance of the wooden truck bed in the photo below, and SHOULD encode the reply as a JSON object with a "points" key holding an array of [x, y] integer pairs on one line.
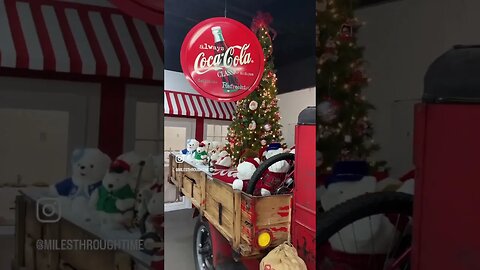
{"points": [[238, 216]]}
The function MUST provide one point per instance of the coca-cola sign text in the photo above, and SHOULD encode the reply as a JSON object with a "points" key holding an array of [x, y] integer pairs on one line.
{"points": [[222, 59]]}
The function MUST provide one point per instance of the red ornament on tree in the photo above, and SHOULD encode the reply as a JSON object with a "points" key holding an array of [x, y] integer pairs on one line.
{"points": [[346, 32]]}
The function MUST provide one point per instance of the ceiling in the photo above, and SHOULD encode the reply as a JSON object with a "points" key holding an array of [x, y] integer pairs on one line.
{"points": [[294, 22], [366, 3]]}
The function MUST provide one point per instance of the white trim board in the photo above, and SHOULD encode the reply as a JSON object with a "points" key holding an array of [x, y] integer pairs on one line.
{"points": [[185, 204]]}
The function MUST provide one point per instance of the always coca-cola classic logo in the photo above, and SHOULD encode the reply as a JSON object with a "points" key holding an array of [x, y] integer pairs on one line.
{"points": [[226, 59], [222, 59]]}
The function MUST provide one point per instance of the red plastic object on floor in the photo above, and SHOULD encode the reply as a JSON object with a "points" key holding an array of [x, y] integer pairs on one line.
{"points": [[447, 221]]}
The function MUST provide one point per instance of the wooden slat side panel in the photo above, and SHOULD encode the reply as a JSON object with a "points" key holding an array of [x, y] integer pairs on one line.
{"points": [[222, 229], [212, 208], [237, 223], [221, 193], [273, 210]]}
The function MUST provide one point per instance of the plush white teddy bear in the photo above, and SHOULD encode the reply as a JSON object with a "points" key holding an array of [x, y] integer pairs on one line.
{"points": [[224, 160], [189, 152], [138, 162], [276, 170], [155, 208], [114, 200], [88, 168], [201, 155], [245, 171], [215, 151], [208, 145]]}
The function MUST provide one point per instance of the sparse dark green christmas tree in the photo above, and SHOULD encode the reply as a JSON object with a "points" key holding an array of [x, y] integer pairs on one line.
{"points": [[257, 119], [344, 129]]}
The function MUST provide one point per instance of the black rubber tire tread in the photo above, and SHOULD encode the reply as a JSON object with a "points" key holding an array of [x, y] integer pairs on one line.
{"points": [[342, 215], [264, 166], [195, 231]]}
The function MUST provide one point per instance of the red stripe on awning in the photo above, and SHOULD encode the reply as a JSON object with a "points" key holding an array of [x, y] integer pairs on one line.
{"points": [[200, 106], [75, 59], [47, 49], [147, 65], [124, 65], [101, 63], [17, 33], [80, 39]]}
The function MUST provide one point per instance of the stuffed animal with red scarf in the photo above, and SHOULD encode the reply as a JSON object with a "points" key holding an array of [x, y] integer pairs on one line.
{"points": [[245, 171], [275, 174], [114, 200]]}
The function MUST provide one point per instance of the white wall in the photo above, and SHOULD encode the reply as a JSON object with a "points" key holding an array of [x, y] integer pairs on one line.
{"points": [[402, 39], [30, 109], [291, 104]]}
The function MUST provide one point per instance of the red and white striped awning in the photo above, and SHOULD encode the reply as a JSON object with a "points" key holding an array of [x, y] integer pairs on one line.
{"points": [[186, 104], [76, 38]]}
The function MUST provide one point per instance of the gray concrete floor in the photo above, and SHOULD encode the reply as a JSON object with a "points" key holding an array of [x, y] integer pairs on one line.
{"points": [[7, 245], [179, 227]]}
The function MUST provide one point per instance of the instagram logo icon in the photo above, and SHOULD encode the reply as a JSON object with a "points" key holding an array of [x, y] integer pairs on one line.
{"points": [[48, 210]]}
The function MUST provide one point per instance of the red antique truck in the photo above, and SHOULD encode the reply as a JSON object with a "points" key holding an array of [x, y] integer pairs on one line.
{"points": [[236, 229]]}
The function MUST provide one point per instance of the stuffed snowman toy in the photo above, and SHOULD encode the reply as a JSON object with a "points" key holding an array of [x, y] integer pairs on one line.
{"points": [[275, 173], [224, 160], [215, 152], [114, 200], [375, 231], [88, 168], [139, 163], [208, 145], [201, 155], [153, 231], [145, 194], [245, 171], [189, 152]]}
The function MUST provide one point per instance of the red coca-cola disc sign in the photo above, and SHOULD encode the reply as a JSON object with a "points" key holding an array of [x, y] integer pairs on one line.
{"points": [[222, 59]]}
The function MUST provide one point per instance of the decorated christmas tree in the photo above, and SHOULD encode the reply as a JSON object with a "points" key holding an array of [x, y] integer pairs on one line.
{"points": [[256, 122], [344, 129]]}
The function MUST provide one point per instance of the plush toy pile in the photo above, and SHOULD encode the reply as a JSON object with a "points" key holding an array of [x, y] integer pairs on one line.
{"points": [[212, 153]]}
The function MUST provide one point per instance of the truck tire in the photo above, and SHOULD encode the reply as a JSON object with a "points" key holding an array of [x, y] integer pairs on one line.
{"points": [[202, 246]]}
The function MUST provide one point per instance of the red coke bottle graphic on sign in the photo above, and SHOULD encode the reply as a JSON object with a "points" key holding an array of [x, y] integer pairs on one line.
{"points": [[229, 80]]}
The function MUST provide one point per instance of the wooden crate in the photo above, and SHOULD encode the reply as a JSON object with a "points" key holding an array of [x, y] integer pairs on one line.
{"points": [[238, 216], [175, 170]]}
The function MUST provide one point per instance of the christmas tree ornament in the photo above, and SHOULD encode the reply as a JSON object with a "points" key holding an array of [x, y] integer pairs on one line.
{"points": [[267, 127], [263, 142], [346, 32], [327, 111], [348, 138], [252, 125], [253, 105]]}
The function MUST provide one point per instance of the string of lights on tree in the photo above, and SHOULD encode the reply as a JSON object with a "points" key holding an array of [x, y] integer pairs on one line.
{"points": [[257, 118], [344, 129]]}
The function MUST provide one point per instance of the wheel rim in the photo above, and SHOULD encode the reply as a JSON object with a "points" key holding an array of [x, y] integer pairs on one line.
{"points": [[203, 247], [370, 232], [396, 256]]}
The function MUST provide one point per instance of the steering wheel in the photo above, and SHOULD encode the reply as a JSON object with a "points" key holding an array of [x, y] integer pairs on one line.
{"points": [[260, 171]]}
